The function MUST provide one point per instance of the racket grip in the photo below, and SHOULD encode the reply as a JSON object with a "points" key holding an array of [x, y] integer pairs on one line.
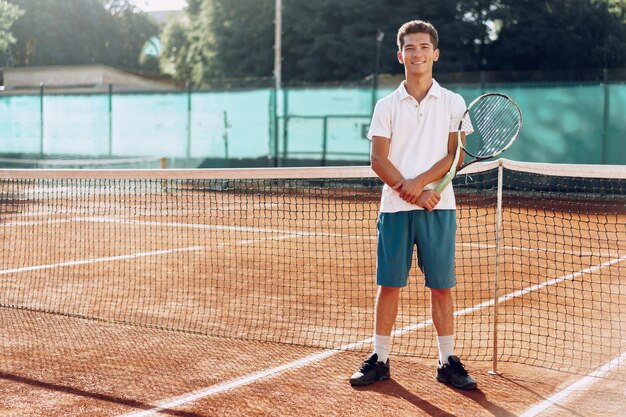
{"points": [[445, 181]]}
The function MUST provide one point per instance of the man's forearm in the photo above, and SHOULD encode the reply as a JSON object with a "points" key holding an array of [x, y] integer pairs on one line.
{"points": [[387, 172], [437, 171]]}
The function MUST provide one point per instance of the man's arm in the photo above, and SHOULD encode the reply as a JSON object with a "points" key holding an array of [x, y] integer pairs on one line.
{"points": [[413, 190], [381, 164]]}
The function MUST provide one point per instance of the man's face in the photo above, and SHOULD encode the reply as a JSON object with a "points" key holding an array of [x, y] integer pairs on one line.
{"points": [[418, 53]]}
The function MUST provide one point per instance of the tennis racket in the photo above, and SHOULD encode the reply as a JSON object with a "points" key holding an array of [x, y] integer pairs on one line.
{"points": [[491, 124]]}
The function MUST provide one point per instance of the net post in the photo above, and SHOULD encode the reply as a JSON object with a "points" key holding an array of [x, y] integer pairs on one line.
{"points": [[225, 139], [324, 140], [274, 136], [110, 118], [41, 120], [189, 119], [605, 116], [285, 124], [494, 370], [164, 181]]}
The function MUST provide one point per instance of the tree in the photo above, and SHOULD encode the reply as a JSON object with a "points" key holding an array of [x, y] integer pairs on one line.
{"points": [[187, 45], [175, 51], [618, 8], [327, 40], [557, 34], [323, 40], [128, 31], [75, 32], [9, 13]]}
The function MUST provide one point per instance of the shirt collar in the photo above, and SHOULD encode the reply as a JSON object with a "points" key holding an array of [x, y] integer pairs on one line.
{"points": [[435, 91]]}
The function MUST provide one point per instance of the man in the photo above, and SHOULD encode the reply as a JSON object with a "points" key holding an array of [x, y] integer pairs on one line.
{"points": [[414, 140]]}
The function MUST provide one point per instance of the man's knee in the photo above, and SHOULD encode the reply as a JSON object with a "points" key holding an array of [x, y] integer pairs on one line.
{"points": [[389, 290], [388, 293], [441, 293]]}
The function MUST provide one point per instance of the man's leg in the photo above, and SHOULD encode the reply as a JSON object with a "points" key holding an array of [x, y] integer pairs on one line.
{"points": [[450, 370], [376, 366], [443, 318], [393, 262], [386, 312]]}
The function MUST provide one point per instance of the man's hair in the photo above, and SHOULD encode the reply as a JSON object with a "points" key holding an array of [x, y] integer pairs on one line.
{"points": [[417, 26]]}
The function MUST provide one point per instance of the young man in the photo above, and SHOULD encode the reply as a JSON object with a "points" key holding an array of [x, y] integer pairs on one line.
{"points": [[413, 134]]}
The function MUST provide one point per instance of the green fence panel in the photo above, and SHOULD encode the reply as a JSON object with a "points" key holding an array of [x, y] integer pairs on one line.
{"points": [[20, 124], [562, 124], [616, 130], [233, 122], [150, 125], [327, 138], [329, 101], [305, 138], [346, 138], [326, 123], [76, 125]]}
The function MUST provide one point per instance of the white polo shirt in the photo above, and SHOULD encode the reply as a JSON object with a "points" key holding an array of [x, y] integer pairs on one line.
{"points": [[419, 137]]}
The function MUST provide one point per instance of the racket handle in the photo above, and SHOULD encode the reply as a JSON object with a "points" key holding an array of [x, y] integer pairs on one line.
{"points": [[448, 177], [445, 181]]}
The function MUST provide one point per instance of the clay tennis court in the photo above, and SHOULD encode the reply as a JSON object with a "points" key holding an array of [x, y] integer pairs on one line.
{"points": [[186, 298]]}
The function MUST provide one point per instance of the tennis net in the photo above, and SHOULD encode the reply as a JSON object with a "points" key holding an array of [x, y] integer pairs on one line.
{"points": [[289, 256]]}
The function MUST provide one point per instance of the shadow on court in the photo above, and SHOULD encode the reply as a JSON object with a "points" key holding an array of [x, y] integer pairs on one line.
{"points": [[86, 394], [540, 396], [479, 398], [394, 389]]}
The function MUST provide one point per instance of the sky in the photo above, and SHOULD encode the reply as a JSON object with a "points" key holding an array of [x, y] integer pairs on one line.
{"points": [[158, 5]]}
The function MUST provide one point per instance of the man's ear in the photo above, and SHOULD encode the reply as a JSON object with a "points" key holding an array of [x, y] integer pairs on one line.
{"points": [[436, 55], [400, 57]]}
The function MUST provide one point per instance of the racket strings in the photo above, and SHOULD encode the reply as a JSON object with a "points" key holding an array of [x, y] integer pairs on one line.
{"points": [[494, 122]]}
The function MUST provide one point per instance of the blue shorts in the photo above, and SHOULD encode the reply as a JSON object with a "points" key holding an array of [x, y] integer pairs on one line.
{"points": [[433, 232]]}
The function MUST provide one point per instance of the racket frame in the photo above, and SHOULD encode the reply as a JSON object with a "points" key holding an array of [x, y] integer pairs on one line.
{"points": [[443, 183]]}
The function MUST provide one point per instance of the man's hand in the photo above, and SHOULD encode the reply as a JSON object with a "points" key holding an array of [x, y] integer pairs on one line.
{"points": [[428, 199], [410, 190]]}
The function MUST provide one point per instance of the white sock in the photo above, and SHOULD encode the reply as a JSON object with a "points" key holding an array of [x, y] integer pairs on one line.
{"points": [[381, 347], [446, 348]]}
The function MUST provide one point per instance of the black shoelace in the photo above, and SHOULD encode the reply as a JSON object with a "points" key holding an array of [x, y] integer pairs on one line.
{"points": [[457, 367], [367, 365]]}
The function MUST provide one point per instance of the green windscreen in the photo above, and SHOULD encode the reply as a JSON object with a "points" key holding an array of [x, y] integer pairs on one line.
{"points": [[573, 123]]}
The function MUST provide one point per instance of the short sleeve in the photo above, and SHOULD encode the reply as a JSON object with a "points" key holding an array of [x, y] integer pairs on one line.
{"points": [[457, 111], [381, 121]]}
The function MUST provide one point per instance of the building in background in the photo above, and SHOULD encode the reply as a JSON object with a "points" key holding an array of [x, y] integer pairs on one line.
{"points": [[81, 79]]}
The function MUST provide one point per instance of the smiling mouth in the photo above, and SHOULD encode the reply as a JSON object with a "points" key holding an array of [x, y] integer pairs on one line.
{"points": [[418, 62]]}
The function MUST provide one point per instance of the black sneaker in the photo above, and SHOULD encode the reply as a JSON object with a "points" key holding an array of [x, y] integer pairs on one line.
{"points": [[372, 370], [453, 373]]}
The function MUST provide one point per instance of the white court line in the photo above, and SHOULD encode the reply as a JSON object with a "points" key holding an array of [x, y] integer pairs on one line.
{"points": [[253, 241], [35, 223], [139, 255], [360, 237], [97, 260], [145, 223], [578, 386], [203, 226], [523, 249], [270, 373], [85, 210], [286, 232], [181, 225]]}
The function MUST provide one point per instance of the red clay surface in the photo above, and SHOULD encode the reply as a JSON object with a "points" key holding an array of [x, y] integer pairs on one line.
{"points": [[175, 268]]}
